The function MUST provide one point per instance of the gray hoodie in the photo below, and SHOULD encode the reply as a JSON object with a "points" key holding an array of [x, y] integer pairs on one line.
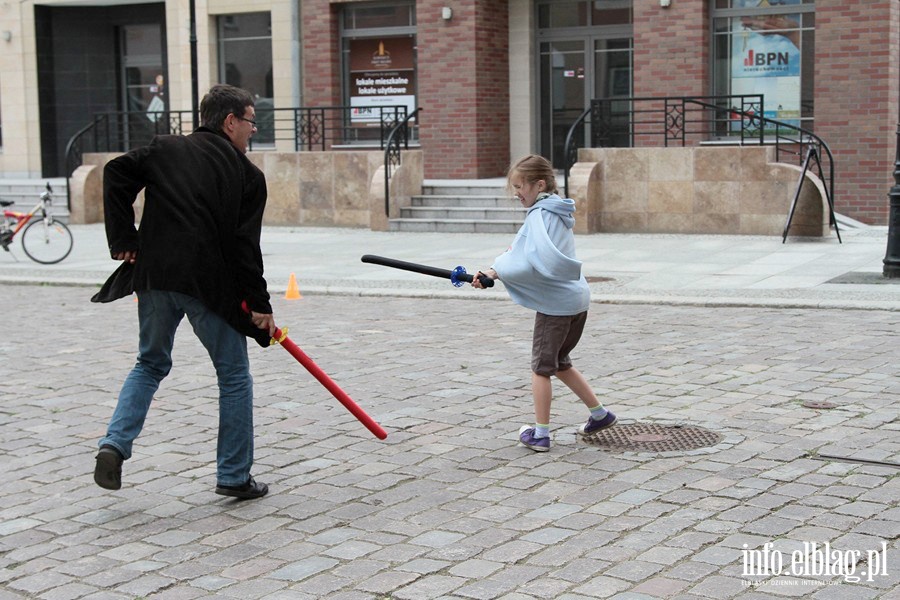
{"points": [[540, 270]]}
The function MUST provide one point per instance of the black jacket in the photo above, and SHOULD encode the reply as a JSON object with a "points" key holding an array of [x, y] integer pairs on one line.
{"points": [[200, 228]]}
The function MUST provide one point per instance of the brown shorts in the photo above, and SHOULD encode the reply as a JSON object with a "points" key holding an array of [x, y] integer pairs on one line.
{"points": [[554, 338]]}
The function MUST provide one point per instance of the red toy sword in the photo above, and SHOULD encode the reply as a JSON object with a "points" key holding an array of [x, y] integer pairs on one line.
{"points": [[342, 397]]}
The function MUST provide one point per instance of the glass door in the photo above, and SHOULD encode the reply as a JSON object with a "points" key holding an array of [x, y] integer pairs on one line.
{"points": [[612, 79], [563, 94], [142, 83], [573, 72], [584, 51]]}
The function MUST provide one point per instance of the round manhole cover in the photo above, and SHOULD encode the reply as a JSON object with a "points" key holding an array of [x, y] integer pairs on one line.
{"points": [[652, 437], [648, 437]]}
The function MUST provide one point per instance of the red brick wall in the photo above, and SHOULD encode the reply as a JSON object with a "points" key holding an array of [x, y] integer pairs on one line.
{"points": [[463, 81], [464, 88], [320, 39], [856, 100], [671, 54], [492, 89], [671, 48]]}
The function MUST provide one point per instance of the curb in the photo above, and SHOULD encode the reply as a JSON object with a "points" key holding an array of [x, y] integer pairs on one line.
{"points": [[596, 297]]}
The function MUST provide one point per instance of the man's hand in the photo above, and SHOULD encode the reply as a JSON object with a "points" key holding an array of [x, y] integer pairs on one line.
{"points": [[264, 321], [127, 256]]}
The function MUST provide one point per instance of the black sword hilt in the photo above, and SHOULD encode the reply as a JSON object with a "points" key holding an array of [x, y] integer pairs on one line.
{"points": [[459, 275]]}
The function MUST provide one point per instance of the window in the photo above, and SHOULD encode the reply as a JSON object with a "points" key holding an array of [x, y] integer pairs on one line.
{"points": [[585, 53], [366, 16], [768, 48], [378, 65], [245, 61], [583, 13], [142, 83], [143, 78]]}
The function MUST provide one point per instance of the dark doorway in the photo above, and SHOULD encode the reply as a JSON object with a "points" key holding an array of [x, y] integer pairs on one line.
{"points": [[81, 71]]}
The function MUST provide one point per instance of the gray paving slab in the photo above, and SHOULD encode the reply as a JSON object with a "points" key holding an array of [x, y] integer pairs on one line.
{"points": [[699, 270], [449, 506]]}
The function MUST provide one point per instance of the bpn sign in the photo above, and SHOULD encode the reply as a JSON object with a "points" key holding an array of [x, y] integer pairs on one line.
{"points": [[766, 59]]}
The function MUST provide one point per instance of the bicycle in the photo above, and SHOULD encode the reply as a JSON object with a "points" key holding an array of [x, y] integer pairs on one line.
{"points": [[45, 240]]}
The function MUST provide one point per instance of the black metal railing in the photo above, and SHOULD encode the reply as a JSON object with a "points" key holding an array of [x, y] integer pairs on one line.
{"points": [[570, 148], [120, 132], [324, 127], [662, 121], [306, 128], [739, 119], [398, 138]]}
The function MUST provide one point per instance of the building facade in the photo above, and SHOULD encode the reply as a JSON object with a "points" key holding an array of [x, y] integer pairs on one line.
{"points": [[492, 79]]}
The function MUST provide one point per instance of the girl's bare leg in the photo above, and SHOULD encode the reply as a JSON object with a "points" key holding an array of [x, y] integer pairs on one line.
{"points": [[576, 382], [542, 391]]}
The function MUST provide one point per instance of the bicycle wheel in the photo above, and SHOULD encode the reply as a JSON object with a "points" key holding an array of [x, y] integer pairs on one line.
{"points": [[47, 241]]}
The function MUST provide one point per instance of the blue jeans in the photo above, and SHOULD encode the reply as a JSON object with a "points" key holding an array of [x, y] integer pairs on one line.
{"points": [[159, 314]]}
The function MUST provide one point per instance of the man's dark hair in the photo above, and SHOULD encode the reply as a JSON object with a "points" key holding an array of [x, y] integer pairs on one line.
{"points": [[222, 100]]}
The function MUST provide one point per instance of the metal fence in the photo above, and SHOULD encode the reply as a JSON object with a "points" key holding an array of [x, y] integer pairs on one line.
{"points": [[685, 121], [692, 120], [304, 128]]}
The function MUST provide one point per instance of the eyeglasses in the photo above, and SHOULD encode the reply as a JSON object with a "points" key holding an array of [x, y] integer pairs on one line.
{"points": [[251, 121]]}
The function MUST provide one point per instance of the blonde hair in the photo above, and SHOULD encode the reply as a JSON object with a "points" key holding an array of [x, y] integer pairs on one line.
{"points": [[533, 168]]}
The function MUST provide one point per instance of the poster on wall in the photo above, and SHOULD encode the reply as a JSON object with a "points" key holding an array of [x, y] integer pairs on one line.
{"points": [[766, 60], [382, 73]]}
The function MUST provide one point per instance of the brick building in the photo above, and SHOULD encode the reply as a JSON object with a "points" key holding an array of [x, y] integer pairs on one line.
{"points": [[494, 79]]}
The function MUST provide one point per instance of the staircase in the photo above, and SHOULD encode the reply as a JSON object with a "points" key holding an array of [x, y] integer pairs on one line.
{"points": [[26, 192], [471, 206]]}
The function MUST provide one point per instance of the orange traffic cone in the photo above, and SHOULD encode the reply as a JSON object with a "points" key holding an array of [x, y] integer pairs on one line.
{"points": [[293, 292]]}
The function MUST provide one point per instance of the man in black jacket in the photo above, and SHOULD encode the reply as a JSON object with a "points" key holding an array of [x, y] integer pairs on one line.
{"points": [[196, 253]]}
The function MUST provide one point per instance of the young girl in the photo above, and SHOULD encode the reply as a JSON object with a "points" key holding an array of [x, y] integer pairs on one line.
{"points": [[540, 272]]}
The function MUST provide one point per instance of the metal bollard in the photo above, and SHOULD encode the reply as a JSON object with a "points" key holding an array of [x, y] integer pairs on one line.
{"points": [[892, 256]]}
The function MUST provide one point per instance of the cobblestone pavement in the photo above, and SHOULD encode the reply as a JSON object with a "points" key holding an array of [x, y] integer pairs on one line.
{"points": [[449, 506]]}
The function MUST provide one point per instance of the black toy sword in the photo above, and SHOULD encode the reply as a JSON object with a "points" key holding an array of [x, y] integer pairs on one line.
{"points": [[457, 276]]}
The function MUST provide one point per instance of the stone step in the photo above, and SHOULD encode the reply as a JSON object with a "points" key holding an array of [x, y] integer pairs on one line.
{"points": [[480, 201], [12, 186], [465, 190], [26, 192], [454, 226], [467, 206], [468, 213]]}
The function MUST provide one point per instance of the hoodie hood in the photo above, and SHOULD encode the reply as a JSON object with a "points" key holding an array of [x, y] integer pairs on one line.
{"points": [[540, 270], [564, 208]]}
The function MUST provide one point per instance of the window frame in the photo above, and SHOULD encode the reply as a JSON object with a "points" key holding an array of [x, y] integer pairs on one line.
{"points": [[266, 128], [346, 34], [803, 8]]}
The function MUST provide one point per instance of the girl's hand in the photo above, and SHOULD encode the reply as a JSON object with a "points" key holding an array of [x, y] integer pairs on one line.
{"points": [[489, 273]]}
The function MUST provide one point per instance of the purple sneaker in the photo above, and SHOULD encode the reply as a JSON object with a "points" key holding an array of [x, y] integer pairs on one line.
{"points": [[593, 426], [526, 437]]}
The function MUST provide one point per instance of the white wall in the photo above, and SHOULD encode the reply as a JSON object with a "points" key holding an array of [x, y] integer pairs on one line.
{"points": [[522, 90]]}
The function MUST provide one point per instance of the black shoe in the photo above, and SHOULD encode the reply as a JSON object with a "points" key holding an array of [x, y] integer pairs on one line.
{"points": [[108, 472], [248, 491]]}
